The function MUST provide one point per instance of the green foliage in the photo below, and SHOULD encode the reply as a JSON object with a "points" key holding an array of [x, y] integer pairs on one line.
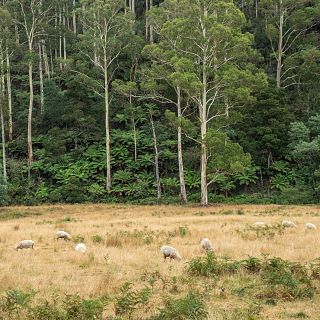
{"points": [[129, 299], [211, 266], [190, 307]]}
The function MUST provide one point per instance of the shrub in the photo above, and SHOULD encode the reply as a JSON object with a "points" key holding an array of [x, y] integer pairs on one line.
{"points": [[190, 307], [285, 280], [129, 299], [210, 265]]}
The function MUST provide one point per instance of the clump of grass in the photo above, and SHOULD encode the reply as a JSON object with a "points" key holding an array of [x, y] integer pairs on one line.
{"points": [[11, 215], [97, 238], [78, 238], [252, 312], [191, 307], [183, 231], [250, 232], [66, 219]]}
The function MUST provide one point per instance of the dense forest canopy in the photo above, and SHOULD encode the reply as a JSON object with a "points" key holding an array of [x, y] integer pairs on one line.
{"points": [[149, 101]]}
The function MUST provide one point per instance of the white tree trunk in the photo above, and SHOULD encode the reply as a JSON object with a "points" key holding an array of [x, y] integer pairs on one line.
{"points": [[203, 124], [64, 34], [74, 18], [45, 59], [9, 93], [60, 39], [156, 159], [150, 26], [280, 45], [30, 150], [2, 94], [183, 193], [106, 99], [41, 80], [3, 139], [147, 21]]}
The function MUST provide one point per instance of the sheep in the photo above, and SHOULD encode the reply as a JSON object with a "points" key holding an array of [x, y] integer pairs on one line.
{"points": [[288, 224], [170, 252], [206, 244], [63, 235], [311, 226], [81, 247], [25, 244]]}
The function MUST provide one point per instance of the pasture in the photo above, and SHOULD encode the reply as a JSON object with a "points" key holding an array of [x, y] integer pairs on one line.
{"points": [[124, 267]]}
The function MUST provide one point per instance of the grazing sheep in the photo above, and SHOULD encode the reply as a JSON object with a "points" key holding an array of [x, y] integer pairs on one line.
{"points": [[311, 226], [206, 244], [170, 252], [289, 224], [63, 235], [260, 224], [81, 247], [25, 244]]}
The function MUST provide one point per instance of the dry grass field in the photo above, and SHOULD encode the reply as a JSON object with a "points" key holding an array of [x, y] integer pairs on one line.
{"points": [[123, 245]]}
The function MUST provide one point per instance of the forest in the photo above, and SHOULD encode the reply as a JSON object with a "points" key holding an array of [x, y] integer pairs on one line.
{"points": [[148, 101]]}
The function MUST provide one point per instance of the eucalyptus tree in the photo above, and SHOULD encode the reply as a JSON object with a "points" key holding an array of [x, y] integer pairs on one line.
{"points": [[107, 33], [32, 17], [5, 22], [209, 34], [286, 22]]}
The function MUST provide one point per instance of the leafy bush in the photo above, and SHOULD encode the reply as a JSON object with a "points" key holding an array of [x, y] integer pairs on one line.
{"points": [[190, 307], [129, 299], [210, 265], [285, 280]]}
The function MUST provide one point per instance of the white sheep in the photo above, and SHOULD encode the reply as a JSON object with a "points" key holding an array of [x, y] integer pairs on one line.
{"points": [[206, 244], [288, 224], [25, 244], [170, 252], [260, 224], [63, 235], [311, 226], [81, 247]]}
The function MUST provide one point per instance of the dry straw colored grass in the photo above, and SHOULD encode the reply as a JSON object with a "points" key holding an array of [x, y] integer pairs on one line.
{"points": [[129, 238]]}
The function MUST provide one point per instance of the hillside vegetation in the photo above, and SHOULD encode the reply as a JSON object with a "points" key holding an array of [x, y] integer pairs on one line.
{"points": [[149, 101]]}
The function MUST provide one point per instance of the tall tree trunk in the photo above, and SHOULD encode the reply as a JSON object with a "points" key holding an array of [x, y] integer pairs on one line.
{"points": [[203, 125], [2, 94], [280, 45], [74, 18], [60, 39], [30, 150], [183, 193], [134, 131], [3, 139], [64, 34], [45, 59], [150, 26], [147, 20], [156, 159], [9, 92], [106, 100], [41, 80], [133, 7]]}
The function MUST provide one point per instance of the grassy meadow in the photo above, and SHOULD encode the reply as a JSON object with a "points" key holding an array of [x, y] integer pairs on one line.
{"points": [[125, 270]]}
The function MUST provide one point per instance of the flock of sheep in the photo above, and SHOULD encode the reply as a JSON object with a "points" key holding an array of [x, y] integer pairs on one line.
{"points": [[29, 244], [167, 251]]}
